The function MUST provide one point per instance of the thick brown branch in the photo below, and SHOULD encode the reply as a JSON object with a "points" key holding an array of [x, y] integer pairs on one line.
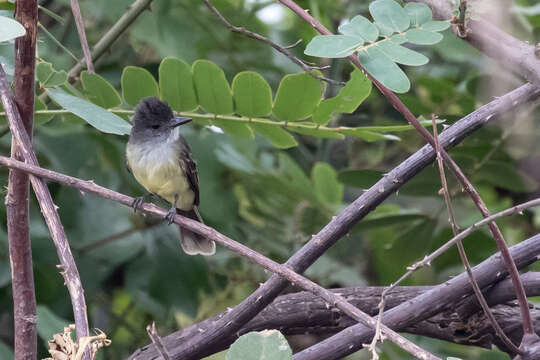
{"points": [[198, 344], [17, 203], [48, 209]]}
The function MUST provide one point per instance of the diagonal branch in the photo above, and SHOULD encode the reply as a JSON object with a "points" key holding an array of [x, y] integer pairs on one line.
{"points": [[48, 208], [196, 346], [334, 300], [113, 34], [469, 188], [17, 205], [281, 49], [75, 8]]}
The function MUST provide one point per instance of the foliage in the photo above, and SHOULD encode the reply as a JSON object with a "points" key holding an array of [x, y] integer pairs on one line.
{"points": [[319, 148], [267, 345]]}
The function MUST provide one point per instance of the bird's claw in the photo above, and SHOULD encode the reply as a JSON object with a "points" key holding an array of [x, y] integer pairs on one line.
{"points": [[137, 203], [170, 216]]}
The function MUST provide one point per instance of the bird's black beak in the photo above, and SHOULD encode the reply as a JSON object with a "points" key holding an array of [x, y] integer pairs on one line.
{"points": [[177, 121]]}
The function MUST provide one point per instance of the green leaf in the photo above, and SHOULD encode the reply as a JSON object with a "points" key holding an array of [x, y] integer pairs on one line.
{"points": [[252, 95], [333, 46], [362, 179], [418, 13], [10, 29], [262, 345], [384, 69], [6, 5], [176, 84], [96, 116], [212, 88], [279, 137], [49, 323], [234, 128], [138, 83], [435, 25], [317, 132], [297, 97], [360, 27], [389, 13], [100, 91], [327, 187], [41, 118], [48, 76], [347, 100], [423, 37], [401, 54]]}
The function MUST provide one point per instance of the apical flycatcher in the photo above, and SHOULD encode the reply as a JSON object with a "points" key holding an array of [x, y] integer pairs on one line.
{"points": [[160, 159]]}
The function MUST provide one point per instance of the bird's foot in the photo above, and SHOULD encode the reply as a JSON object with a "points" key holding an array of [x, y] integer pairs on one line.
{"points": [[170, 215], [138, 201]]}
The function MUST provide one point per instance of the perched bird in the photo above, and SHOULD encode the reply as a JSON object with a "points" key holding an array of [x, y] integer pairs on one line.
{"points": [[160, 159]]}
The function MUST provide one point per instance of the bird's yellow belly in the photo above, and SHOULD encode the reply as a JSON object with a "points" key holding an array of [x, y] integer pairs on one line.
{"points": [[165, 179]]}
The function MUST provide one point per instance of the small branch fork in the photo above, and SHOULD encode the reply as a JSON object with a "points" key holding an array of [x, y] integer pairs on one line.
{"points": [[334, 300], [282, 49], [399, 106], [49, 210]]}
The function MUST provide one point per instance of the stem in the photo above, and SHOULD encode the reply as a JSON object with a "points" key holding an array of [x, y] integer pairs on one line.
{"points": [[82, 35], [114, 33], [17, 199]]}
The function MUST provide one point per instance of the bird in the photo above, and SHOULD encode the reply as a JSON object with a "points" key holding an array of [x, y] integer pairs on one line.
{"points": [[161, 161]]}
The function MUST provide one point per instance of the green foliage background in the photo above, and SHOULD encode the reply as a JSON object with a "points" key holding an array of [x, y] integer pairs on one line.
{"points": [[271, 199]]}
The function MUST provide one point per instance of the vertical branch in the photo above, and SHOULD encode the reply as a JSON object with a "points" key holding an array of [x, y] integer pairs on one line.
{"points": [[17, 205], [461, 249], [82, 35], [48, 209]]}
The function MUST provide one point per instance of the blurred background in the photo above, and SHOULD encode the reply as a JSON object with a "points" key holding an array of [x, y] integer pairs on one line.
{"points": [[132, 268]]}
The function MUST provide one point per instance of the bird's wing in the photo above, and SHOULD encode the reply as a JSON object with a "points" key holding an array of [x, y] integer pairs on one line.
{"points": [[190, 167]]}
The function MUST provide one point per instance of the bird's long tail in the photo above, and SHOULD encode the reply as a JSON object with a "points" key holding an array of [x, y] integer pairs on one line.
{"points": [[192, 243]]}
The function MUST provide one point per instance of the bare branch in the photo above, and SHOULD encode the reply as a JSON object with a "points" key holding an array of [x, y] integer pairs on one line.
{"points": [[334, 300], [156, 340], [114, 33], [82, 35], [48, 209], [17, 206]]}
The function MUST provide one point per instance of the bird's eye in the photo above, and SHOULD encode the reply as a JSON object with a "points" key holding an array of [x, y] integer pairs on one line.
{"points": [[155, 126]]}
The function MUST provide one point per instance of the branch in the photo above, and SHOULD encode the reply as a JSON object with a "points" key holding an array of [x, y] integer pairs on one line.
{"points": [[114, 33], [425, 305], [82, 35], [334, 300], [303, 313], [17, 204], [281, 49], [198, 344], [510, 52], [48, 209], [469, 188]]}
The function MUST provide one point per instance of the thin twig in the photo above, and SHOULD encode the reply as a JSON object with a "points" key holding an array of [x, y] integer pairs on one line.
{"points": [[17, 206], [58, 43], [463, 255], [114, 33], [82, 35], [284, 271], [469, 188], [240, 30], [156, 340], [49, 210]]}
